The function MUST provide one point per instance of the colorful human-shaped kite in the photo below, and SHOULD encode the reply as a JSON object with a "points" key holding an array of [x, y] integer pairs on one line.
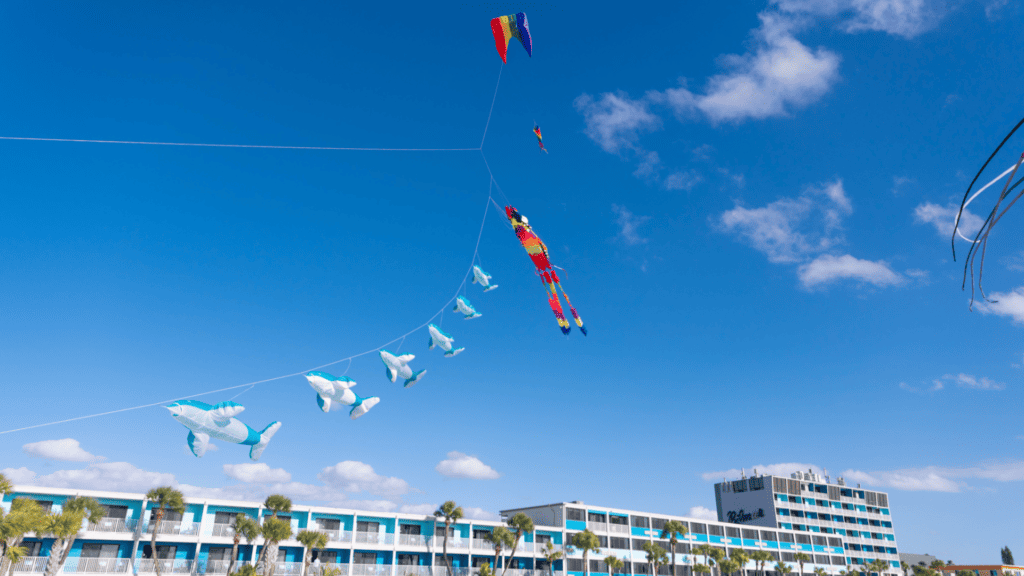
{"points": [[540, 141], [539, 255], [505, 28]]}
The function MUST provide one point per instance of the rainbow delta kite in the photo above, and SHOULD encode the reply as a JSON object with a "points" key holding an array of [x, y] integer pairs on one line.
{"points": [[539, 254], [540, 141], [505, 28]]}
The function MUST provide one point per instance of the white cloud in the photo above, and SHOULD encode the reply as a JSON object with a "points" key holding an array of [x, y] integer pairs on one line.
{"points": [[353, 476], [459, 465], [67, 450], [256, 473], [939, 479], [629, 225], [993, 7], [648, 167], [907, 18], [943, 219], [968, 381], [908, 387], [614, 121], [425, 509], [113, 476], [683, 180], [898, 182], [783, 469], [827, 268], [781, 74], [20, 475], [937, 385], [702, 513], [1004, 304], [739, 179], [478, 514]]}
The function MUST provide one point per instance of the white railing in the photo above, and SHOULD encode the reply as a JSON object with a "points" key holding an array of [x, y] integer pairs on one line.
{"points": [[318, 570], [525, 547], [217, 566], [113, 525], [287, 568], [374, 538], [169, 566], [175, 528], [338, 535], [371, 570], [31, 564], [96, 565], [453, 543], [597, 526], [412, 540], [401, 570], [481, 543], [223, 530], [519, 572], [618, 528]]}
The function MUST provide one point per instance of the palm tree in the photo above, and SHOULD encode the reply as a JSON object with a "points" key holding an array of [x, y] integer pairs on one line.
{"points": [[728, 566], [312, 540], [614, 563], [275, 503], [800, 558], [586, 541], [782, 568], [819, 571], [705, 551], [243, 527], [551, 555], [274, 531], [718, 554], [451, 512], [163, 498], [25, 516], [740, 557], [6, 486], [701, 569], [485, 570], [905, 567], [881, 566], [65, 527], [520, 524], [501, 539], [761, 557], [672, 531], [656, 556]]}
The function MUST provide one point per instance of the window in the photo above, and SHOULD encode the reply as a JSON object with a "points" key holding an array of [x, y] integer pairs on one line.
{"points": [[756, 483], [835, 542], [793, 487], [408, 559], [739, 486], [699, 528], [619, 543], [598, 566], [32, 549], [592, 517], [871, 498], [787, 557], [575, 565], [478, 534], [779, 485], [407, 529], [716, 530], [658, 523], [366, 558], [331, 523], [477, 561], [602, 541], [162, 552], [542, 538], [641, 568], [749, 534], [824, 516], [439, 531], [365, 526], [819, 541], [682, 548], [883, 500], [219, 554], [569, 536], [224, 517], [282, 555], [833, 493], [768, 535], [169, 515], [640, 522], [91, 550], [838, 561], [574, 514], [795, 499], [819, 559], [639, 544], [46, 505], [325, 556], [785, 537], [116, 512], [846, 492], [803, 539], [732, 532], [620, 520]]}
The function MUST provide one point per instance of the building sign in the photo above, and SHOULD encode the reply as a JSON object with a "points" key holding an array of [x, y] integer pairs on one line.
{"points": [[742, 515]]}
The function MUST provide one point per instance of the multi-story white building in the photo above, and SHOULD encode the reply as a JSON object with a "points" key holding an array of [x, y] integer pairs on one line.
{"points": [[816, 509]]}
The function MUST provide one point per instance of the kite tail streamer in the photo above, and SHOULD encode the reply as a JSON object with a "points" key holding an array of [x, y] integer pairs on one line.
{"points": [[555, 303], [579, 321]]}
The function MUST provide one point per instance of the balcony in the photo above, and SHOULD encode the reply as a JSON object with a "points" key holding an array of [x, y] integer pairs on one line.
{"points": [[287, 568], [480, 543], [453, 543], [525, 547], [338, 535], [175, 528], [374, 538], [113, 525], [371, 570], [412, 540], [518, 572], [31, 564], [223, 531], [597, 526], [316, 569], [401, 570], [216, 566], [618, 528], [97, 565], [169, 566]]}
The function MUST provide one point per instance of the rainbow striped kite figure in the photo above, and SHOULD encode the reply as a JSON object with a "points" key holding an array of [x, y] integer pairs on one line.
{"points": [[505, 28], [539, 255], [540, 141]]}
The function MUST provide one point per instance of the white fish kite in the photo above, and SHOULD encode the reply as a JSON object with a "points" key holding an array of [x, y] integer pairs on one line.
{"points": [[463, 305], [334, 389], [205, 421], [483, 278], [440, 338], [398, 366]]}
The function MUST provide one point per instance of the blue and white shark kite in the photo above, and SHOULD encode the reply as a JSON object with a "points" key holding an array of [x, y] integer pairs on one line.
{"points": [[440, 338], [483, 278], [399, 366], [205, 421], [330, 388], [463, 305]]}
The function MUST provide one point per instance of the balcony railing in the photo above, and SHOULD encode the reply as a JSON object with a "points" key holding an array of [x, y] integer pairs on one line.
{"points": [[371, 570], [618, 528], [524, 547], [481, 543], [223, 530], [175, 528], [31, 564], [597, 526], [169, 566], [96, 565], [374, 538], [401, 570], [316, 569], [412, 540], [287, 568], [113, 525], [518, 572], [216, 566], [338, 535]]}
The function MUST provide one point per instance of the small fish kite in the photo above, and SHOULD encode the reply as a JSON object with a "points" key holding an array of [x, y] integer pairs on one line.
{"points": [[483, 278], [399, 366], [331, 389], [540, 141], [441, 338], [462, 305], [505, 28], [539, 255], [217, 421]]}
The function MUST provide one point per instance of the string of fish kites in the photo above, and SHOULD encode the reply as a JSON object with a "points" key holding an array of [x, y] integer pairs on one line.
{"points": [[218, 421]]}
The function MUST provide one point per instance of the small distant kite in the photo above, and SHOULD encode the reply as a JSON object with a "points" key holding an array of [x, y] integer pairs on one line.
{"points": [[540, 141], [539, 255], [505, 28]]}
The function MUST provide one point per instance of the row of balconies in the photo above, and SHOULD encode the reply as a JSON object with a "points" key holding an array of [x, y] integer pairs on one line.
{"points": [[608, 527], [37, 565]]}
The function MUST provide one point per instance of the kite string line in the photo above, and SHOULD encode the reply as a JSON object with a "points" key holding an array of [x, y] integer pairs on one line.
{"points": [[487, 206], [272, 147], [489, 112], [975, 195]]}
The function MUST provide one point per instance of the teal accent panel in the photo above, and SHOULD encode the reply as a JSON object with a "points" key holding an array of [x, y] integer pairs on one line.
{"points": [[638, 531], [700, 538], [750, 543], [575, 525], [346, 520], [619, 515], [785, 545], [556, 537], [885, 511], [784, 497]]}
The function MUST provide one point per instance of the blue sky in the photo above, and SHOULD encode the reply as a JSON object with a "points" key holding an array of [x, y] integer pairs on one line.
{"points": [[752, 203]]}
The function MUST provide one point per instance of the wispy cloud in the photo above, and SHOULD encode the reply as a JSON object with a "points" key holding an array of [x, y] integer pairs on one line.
{"points": [[256, 473], [898, 182], [353, 476], [781, 469], [968, 381], [994, 7], [1009, 304], [702, 513], [66, 450], [943, 218], [683, 180], [939, 479], [614, 121], [826, 269], [935, 387], [907, 18], [629, 225], [459, 465]]}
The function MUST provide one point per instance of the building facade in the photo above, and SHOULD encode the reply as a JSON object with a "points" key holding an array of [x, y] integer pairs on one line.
{"points": [[813, 506]]}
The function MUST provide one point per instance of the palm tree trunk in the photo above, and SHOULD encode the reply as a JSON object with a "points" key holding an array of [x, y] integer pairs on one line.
{"points": [[673, 544], [512, 554], [159, 513], [234, 554], [444, 549], [54, 563], [586, 566], [497, 552], [272, 559]]}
